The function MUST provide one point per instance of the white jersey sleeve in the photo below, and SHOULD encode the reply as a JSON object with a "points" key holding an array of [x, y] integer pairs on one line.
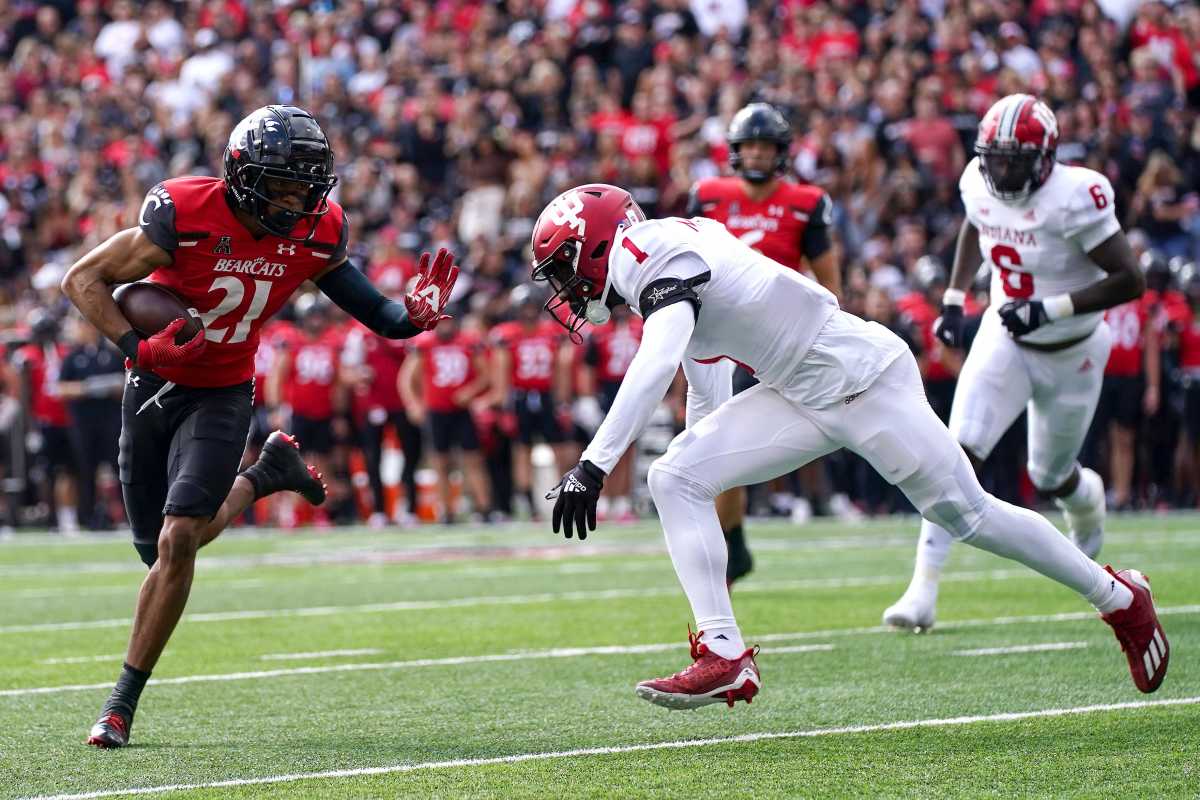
{"points": [[1089, 215], [647, 253]]}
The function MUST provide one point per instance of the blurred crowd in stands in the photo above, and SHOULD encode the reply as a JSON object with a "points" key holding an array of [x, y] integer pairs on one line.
{"points": [[454, 122]]}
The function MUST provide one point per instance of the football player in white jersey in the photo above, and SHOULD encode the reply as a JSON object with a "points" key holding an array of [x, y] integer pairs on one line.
{"points": [[827, 379], [1059, 259]]}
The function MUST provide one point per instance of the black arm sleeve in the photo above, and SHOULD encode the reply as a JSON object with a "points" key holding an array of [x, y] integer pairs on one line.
{"points": [[358, 297], [814, 242], [157, 219], [668, 291]]}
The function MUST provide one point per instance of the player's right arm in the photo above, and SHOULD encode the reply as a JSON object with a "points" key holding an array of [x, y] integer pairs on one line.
{"points": [[408, 382], [127, 256], [967, 258]]}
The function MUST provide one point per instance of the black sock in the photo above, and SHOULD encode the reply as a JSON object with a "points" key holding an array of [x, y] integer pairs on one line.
{"points": [[735, 537], [125, 694], [256, 480]]}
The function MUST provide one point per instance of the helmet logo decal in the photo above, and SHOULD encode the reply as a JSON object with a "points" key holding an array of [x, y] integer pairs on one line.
{"points": [[564, 210]]}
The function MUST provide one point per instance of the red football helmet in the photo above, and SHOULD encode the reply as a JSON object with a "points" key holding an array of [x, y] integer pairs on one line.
{"points": [[1016, 145], [571, 243]]}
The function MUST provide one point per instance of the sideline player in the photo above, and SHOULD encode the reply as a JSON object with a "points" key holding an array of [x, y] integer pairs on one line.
{"points": [[1058, 259], [826, 380], [787, 222], [235, 249]]}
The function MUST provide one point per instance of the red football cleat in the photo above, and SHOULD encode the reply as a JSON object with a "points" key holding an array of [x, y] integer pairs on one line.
{"points": [[110, 731], [1139, 632], [711, 679]]}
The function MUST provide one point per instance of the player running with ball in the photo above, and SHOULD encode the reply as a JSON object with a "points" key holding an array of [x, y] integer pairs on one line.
{"points": [[826, 380], [1058, 257], [234, 249]]}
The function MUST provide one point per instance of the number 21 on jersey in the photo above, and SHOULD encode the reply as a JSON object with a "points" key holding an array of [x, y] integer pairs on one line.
{"points": [[1017, 284], [235, 291]]}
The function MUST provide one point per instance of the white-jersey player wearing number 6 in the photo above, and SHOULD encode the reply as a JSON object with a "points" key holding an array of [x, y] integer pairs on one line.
{"points": [[1058, 260], [827, 379]]}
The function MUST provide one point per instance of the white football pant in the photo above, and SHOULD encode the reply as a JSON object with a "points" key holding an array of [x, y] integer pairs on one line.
{"points": [[999, 380], [758, 435]]}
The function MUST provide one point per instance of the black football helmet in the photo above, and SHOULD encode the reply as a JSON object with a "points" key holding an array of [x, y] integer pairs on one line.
{"points": [[271, 148], [758, 122]]}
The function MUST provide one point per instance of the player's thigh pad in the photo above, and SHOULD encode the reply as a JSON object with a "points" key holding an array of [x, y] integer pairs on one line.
{"points": [[1066, 391], [993, 388], [206, 451], [892, 426], [753, 437], [142, 461]]}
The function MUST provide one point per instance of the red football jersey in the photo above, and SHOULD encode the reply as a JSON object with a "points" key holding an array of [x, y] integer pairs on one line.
{"points": [[44, 365], [382, 359], [533, 352], [1126, 321], [449, 366], [774, 226], [611, 349], [276, 335], [1189, 346], [235, 282], [312, 373]]}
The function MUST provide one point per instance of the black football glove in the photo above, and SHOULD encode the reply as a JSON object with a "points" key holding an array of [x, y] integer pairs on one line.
{"points": [[575, 499], [948, 328], [1023, 316]]}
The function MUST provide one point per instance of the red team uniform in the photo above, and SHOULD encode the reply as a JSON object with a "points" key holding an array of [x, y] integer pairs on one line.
{"points": [[185, 427], [449, 367], [310, 384], [1121, 393], [610, 351], [533, 350]]}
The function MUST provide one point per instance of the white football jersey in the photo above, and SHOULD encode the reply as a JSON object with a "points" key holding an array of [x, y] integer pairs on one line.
{"points": [[754, 311], [1038, 248]]}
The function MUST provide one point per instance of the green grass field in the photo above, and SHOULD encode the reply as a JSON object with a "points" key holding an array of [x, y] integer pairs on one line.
{"points": [[501, 662]]}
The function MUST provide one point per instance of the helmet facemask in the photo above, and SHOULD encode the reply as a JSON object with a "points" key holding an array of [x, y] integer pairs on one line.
{"points": [[1013, 173], [567, 287]]}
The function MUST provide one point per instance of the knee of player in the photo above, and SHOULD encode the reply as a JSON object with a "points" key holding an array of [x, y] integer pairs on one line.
{"points": [[179, 541], [668, 480]]}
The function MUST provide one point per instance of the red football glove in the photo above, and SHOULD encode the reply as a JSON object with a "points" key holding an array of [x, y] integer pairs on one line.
{"points": [[432, 291], [160, 349]]}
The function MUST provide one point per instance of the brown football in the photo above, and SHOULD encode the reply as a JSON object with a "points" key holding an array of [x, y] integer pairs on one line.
{"points": [[150, 308]]}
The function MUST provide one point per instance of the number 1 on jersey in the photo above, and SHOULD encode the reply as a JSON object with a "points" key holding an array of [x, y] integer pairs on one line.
{"points": [[235, 292], [639, 254]]}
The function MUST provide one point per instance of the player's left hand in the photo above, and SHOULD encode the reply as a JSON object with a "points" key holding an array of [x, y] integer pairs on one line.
{"points": [[575, 499], [1023, 316], [429, 296]]}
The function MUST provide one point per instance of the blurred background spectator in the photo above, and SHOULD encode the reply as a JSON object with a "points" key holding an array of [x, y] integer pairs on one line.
{"points": [[453, 122]]}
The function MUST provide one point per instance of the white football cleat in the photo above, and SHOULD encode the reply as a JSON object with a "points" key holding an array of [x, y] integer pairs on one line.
{"points": [[915, 611], [1087, 527]]}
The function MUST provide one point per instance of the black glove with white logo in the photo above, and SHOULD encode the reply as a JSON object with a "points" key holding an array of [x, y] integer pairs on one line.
{"points": [[575, 499], [948, 328], [1023, 316]]}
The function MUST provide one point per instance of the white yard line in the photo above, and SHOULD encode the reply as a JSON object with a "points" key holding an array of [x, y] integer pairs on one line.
{"points": [[516, 600], [1021, 648], [525, 655], [577, 651], [631, 748], [367, 651], [83, 659]]}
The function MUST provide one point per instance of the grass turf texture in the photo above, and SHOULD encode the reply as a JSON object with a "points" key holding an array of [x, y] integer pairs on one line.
{"points": [[814, 602]]}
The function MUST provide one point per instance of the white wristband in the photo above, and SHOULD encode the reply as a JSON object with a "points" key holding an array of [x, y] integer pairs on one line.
{"points": [[953, 297], [1058, 306]]}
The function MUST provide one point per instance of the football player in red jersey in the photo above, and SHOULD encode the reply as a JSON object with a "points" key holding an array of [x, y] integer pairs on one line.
{"points": [[234, 249], [531, 379], [305, 377], [446, 370], [787, 222]]}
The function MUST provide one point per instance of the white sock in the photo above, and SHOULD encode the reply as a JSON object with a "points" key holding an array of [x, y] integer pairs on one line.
{"points": [[67, 521], [933, 547], [725, 642], [699, 553], [1110, 595], [1083, 500]]}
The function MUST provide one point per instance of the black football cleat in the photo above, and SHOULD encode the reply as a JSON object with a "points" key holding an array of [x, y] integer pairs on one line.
{"points": [[281, 468], [110, 731]]}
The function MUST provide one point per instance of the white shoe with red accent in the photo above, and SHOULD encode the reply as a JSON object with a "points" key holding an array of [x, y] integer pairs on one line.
{"points": [[1138, 630], [710, 679]]}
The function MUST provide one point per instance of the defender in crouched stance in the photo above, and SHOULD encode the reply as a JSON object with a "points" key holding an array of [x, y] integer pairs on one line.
{"points": [[826, 380], [234, 249]]}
